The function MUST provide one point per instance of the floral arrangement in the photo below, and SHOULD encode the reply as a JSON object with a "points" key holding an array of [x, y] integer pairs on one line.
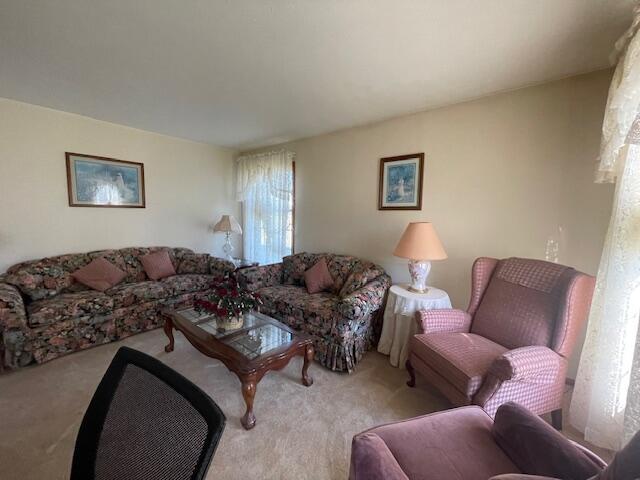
{"points": [[227, 299]]}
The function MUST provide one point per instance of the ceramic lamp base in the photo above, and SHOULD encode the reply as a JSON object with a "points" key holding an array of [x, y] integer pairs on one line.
{"points": [[419, 272]]}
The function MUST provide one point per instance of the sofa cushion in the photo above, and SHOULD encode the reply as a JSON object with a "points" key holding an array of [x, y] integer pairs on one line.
{"points": [[46, 277], [133, 266], [455, 444], [537, 448], [68, 306], [128, 294], [187, 283], [340, 267], [193, 263], [462, 358], [99, 275], [317, 278], [158, 265], [361, 274], [294, 266], [295, 307]]}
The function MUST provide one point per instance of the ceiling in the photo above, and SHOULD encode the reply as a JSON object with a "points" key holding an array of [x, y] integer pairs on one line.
{"points": [[246, 73]]}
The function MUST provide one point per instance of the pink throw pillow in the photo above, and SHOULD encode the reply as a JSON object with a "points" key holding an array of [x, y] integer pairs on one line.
{"points": [[318, 278], [158, 265], [100, 275]]}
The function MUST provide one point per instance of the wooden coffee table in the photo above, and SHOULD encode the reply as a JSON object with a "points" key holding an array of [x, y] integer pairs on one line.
{"points": [[260, 345]]}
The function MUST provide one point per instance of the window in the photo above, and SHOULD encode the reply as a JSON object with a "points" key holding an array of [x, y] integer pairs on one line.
{"points": [[266, 187]]}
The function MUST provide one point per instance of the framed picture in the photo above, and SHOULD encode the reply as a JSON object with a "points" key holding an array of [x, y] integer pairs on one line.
{"points": [[104, 182], [401, 182]]}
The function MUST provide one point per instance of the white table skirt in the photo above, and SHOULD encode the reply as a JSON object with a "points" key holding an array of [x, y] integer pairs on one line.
{"points": [[399, 319]]}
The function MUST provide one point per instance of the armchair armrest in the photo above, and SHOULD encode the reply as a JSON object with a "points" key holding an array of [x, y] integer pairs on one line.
{"points": [[13, 315], [220, 267], [365, 300], [535, 363], [262, 276], [449, 320]]}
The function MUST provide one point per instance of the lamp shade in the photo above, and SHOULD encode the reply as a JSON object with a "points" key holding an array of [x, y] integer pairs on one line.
{"points": [[227, 224], [420, 242]]}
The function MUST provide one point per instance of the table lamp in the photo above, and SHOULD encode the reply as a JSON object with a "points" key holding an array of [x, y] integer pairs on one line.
{"points": [[420, 244], [228, 225]]}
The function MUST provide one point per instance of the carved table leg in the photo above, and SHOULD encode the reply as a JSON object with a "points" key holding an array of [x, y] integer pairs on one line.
{"points": [[248, 392], [307, 380], [168, 329], [412, 374]]}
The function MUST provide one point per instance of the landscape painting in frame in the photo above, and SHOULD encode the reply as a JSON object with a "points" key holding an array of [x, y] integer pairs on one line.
{"points": [[400, 185], [104, 182]]}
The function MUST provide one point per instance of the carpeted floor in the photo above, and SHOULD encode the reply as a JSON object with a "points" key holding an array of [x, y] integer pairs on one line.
{"points": [[301, 433]]}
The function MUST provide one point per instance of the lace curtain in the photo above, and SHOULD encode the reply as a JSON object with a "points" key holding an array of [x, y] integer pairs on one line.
{"points": [[606, 399], [265, 188]]}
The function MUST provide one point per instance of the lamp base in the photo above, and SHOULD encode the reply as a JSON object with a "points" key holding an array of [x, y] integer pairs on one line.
{"points": [[419, 272], [227, 248]]}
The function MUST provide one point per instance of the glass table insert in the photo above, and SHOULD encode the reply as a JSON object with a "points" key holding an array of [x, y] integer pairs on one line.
{"points": [[255, 337]]}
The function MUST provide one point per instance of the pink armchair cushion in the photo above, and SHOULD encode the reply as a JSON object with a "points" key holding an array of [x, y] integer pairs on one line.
{"points": [[521, 303], [537, 448], [317, 278], [527, 363], [462, 359], [453, 445], [158, 265], [443, 320], [99, 274]]}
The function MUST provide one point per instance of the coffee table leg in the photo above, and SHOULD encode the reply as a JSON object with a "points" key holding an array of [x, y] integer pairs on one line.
{"points": [[248, 392], [307, 380], [168, 329]]}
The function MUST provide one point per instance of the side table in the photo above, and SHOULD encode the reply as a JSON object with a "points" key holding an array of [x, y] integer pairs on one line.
{"points": [[399, 323]]}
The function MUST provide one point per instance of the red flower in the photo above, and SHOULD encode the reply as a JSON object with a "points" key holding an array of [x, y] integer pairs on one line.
{"points": [[221, 291], [222, 312]]}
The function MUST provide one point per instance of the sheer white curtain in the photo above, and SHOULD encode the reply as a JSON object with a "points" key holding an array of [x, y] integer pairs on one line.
{"points": [[606, 398], [265, 188]]}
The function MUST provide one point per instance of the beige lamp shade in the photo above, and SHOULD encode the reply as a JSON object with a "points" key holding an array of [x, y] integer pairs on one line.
{"points": [[420, 242], [227, 224]]}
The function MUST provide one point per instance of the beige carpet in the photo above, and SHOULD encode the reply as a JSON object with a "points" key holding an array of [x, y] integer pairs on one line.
{"points": [[300, 432]]}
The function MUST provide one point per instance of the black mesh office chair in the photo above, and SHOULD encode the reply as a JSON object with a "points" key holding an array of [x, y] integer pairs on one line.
{"points": [[146, 421]]}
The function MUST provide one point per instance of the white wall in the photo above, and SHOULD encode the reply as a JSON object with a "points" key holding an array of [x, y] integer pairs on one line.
{"points": [[502, 175], [188, 186]]}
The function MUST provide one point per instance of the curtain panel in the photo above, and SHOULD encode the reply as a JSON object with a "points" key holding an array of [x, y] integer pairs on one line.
{"points": [[265, 188], [606, 399]]}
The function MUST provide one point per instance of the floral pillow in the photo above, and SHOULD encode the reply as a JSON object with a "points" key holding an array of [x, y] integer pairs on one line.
{"points": [[359, 277], [294, 266], [193, 263]]}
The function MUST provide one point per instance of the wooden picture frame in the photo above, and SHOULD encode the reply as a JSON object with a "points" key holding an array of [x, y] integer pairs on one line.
{"points": [[400, 182], [104, 182]]}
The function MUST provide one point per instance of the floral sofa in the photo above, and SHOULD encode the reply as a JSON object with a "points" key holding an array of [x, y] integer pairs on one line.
{"points": [[344, 323], [45, 313]]}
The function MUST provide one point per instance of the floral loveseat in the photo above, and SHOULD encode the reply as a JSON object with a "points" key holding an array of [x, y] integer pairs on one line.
{"points": [[344, 322], [45, 313]]}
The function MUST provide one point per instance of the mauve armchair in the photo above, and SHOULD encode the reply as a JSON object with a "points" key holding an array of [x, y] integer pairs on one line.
{"points": [[513, 341], [466, 444]]}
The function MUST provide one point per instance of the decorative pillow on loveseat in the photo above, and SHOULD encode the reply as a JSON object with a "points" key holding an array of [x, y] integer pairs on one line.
{"points": [[361, 274], [317, 278], [99, 274], [294, 266]]}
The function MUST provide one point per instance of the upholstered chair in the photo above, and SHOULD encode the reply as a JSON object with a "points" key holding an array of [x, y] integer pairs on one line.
{"points": [[513, 341]]}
